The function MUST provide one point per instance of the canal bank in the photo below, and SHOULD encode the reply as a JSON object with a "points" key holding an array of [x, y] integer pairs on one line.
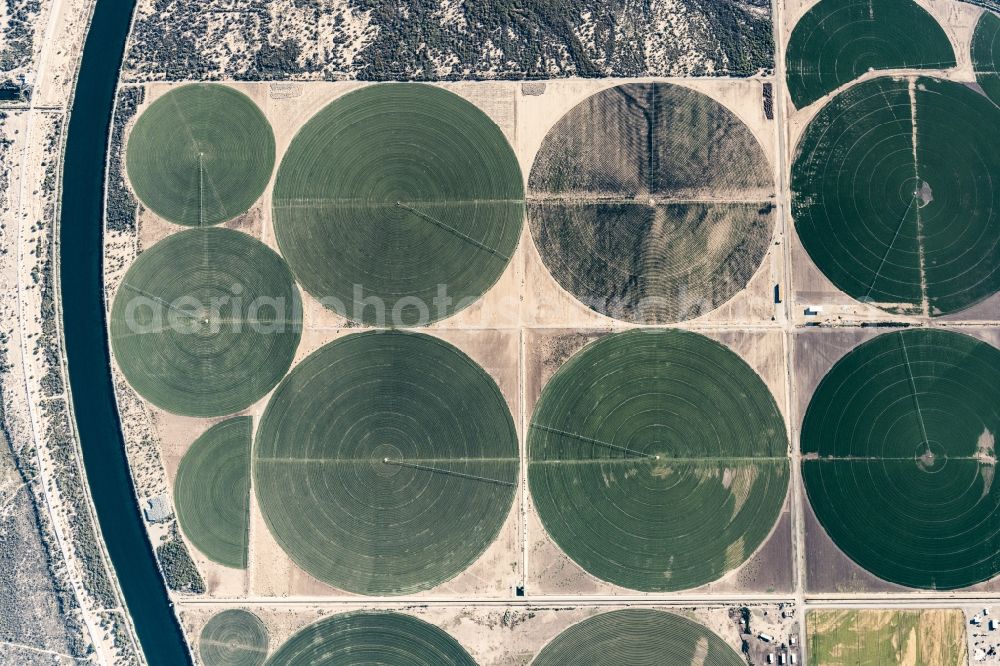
{"points": [[85, 339]]}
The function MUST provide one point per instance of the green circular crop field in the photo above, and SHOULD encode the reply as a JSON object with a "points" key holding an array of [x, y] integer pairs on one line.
{"points": [[651, 203], [386, 462], [894, 197], [395, 193], [637, 637], [361, 638], [986, 55], [212, 492], [657, 459], [837, 41], [899, 457], [233, 638], [200, 154], [206, 322]]}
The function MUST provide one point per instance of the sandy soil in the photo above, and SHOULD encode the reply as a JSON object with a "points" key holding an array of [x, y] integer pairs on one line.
{"points": [[495, 574], [536, 114], [58, 28], [69, 21], [959, 22], [761, 349], [526, 293]]}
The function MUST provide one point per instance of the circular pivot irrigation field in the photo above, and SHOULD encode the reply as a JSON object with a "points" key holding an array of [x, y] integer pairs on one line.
{"points": [[637, 637], [386, 639], [657, 459], [651, 203], [386, 462], [899, 457], [212, 492], [896, 194], [986, 55], [233, 638], [837, 41], [393, 194], [200, 154], [206, 322]]}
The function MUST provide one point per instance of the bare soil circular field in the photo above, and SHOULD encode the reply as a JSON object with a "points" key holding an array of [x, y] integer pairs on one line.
{"points": [[651, 203]]}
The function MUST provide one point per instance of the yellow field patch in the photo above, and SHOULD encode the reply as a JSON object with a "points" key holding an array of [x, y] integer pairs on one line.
{"points": [[907, 638]]}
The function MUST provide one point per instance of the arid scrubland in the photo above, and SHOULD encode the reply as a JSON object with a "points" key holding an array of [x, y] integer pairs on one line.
{"points": [[447, 39], [59, 602]]}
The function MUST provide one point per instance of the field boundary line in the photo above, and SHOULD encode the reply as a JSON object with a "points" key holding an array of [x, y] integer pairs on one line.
{"points": [[544, 198], [247, 514], [522, 445]]}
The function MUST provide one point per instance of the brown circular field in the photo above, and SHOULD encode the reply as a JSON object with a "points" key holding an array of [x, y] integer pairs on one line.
{"points": [[651, 203]]}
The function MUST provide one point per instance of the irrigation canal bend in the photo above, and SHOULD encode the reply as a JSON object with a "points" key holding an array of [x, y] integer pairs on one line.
{"points": [[81, 283]]}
